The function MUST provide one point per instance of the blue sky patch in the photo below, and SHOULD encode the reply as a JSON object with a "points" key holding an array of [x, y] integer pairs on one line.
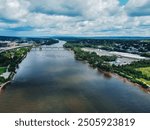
{"points": [[123, 2]]}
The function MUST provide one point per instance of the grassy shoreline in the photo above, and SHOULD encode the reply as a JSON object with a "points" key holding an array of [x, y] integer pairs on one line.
{"points": [[102, 63], [11, 59]]}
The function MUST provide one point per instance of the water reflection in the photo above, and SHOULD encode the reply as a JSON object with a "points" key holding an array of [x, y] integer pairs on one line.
{"points": [[53, 81]]}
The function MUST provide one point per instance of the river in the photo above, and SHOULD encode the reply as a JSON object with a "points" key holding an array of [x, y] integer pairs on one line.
{"points": [[51, 80]]}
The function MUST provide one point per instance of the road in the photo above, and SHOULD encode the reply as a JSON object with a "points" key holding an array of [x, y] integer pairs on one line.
{"points": [[11, 48]]}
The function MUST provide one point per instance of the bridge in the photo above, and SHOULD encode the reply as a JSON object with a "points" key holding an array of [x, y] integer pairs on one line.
{"points": [[49, 48], [36, 48]]}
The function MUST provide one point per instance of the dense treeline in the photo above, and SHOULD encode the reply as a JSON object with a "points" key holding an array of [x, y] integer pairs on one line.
{"points": [[134, 46], [102, 63], [132, 71], [50, 42], [146, 54], [11, 59], [93, 59], [70, 45]]}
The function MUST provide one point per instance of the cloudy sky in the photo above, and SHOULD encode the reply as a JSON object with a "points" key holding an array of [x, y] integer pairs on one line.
{"points": [[75, 17]]}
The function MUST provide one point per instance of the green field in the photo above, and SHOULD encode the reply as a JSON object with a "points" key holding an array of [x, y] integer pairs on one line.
{"points": [[145, 71], [2, 70]]}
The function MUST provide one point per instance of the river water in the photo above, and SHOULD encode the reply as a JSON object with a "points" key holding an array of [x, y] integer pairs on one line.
{"points": [[51, 80]]}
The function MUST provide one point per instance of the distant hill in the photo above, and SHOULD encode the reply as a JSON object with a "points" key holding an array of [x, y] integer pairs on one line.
{"points": [[70, 38], [12, 38], [73, 38], [40, 40]]}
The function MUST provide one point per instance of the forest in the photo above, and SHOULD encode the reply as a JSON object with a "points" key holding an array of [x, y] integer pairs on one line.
{"points": [[141, 47], [129, 71]]}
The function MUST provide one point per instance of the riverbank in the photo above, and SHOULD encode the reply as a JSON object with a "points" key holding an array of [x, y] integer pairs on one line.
{"points": [[125, 80], [102, 63], [11, 59], [2, 86], [122, 58], [67, 85]]}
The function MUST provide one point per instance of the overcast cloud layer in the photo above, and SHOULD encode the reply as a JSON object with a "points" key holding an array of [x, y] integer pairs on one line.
{"points": [[75, 17]]}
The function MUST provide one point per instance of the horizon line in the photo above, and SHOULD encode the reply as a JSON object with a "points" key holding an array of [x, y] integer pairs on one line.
{"points": [[76, 36]]}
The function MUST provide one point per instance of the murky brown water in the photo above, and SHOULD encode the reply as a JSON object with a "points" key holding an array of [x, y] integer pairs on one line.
{"points": [[51, 80]]}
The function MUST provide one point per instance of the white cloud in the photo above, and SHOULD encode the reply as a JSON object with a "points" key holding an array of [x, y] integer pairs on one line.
{"points": [[14, 9], [138, 7], [90, 17]]}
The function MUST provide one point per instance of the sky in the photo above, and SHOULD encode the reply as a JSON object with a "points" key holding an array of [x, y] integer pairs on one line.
{"points": [[75, 17]]}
